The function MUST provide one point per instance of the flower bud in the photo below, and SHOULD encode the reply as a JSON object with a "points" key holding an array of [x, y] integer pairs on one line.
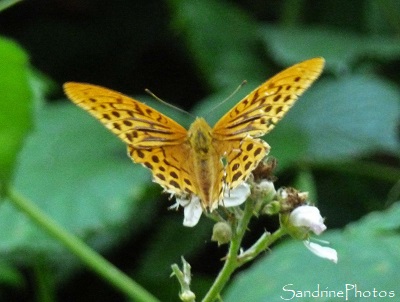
{"points": [[265, 189], [309, 218], [302, 220], [222, 233], [187, 296], [272, 208]]}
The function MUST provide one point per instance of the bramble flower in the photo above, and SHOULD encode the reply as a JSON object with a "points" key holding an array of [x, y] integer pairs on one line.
{"points": [[309, 218], [236, 196], [305, 219], [192, 208]]}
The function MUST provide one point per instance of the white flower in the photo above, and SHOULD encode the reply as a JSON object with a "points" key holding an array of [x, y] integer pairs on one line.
{"points": [[322, 251], [308, 217], [236, 196], [192, 208]]}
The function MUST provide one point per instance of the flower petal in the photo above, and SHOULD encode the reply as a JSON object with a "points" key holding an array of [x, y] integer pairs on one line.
{"points": [[192, 210], [308, 217], [322, 251], [236, 196]]}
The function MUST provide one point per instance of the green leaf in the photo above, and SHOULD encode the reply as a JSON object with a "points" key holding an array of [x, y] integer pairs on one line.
{"points": [[158, 260], [10, 276], [383, 16], [170, 241], [15, 104], [340, 48], [221, 38], [4, 4], [79, 174], [368, 258], [351, 116]]}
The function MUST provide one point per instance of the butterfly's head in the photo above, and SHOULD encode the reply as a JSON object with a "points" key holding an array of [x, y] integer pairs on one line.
{"points": [[199, 136]]}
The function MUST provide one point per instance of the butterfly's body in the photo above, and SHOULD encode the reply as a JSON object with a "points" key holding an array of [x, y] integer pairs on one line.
{"points": [[204, 162]]}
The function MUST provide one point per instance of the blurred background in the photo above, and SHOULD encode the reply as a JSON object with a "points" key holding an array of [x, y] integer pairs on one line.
{"points": [[340, 142]]}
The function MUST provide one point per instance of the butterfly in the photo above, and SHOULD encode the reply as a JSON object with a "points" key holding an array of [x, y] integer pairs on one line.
{"points": [[202, 162]]}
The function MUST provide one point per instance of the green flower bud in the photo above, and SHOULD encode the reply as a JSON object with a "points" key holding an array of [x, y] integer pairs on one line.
{"points": [[222, 233]]}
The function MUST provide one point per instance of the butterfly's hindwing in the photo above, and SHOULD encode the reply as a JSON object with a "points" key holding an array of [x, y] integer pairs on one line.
{"points": [[241, 156], [167, 167]]}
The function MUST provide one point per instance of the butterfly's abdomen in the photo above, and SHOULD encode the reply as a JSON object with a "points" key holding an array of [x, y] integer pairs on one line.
{"points": [[206, 163]]}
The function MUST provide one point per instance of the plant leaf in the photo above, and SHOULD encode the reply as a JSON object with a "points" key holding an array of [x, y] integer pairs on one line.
{"points": [[341, 49], [15, 105], [80, 175], [368, 259], [222, 40]]}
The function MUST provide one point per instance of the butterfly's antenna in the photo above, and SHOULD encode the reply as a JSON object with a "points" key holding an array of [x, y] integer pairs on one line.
{"points": [[231, 95], [168, 104]]}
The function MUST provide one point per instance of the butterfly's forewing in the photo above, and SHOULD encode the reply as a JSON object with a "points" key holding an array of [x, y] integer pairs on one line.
{"points": [[255, 115], [153, 139], [258, 113], [132, 121]]}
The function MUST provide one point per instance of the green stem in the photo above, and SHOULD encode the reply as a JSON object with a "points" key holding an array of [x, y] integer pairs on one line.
{"points": [[261, 245], [93, 260], [44, 282], [184, 277], [231, 262]]}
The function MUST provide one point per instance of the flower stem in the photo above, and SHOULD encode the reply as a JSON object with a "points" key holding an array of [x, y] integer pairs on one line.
{"points": [[184, 277], [261, 245], [231, 262], [44, 282], [92, 259]]}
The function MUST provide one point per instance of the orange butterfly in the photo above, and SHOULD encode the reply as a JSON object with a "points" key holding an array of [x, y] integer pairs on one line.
{"points": [[201, 162]]}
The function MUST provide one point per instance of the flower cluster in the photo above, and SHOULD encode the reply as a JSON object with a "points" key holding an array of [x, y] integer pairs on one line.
{"points": [[257, 196], [297, 217]]}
